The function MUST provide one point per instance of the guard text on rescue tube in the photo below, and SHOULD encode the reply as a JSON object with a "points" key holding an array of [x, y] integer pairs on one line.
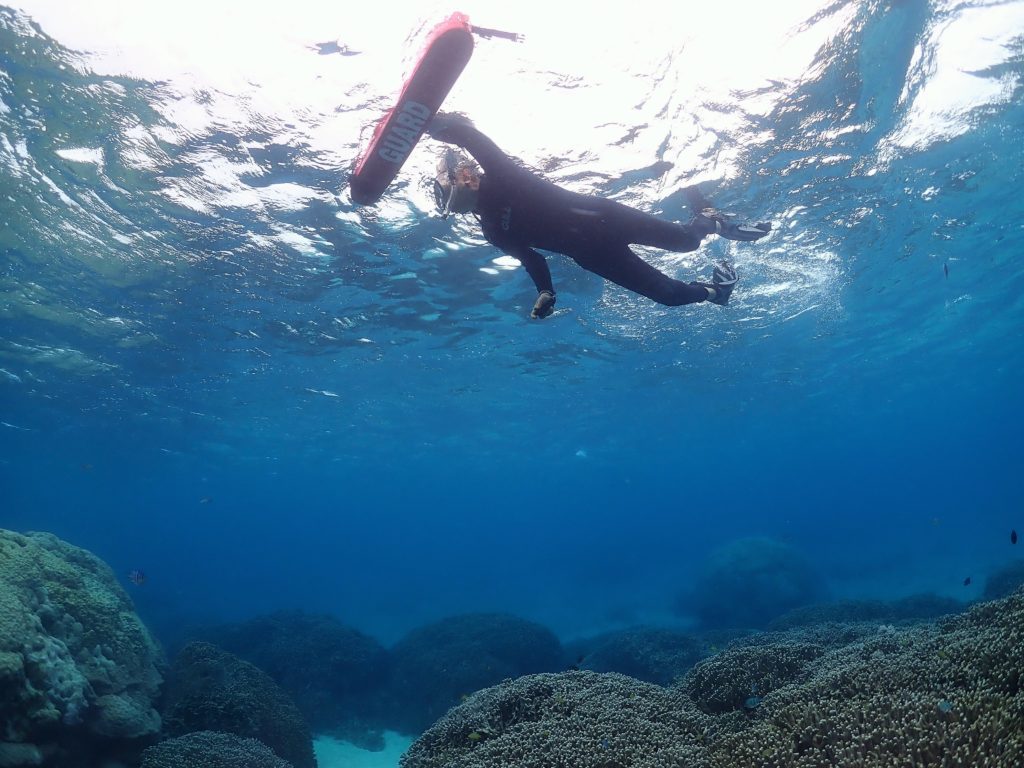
{"points": [[402, 135]]}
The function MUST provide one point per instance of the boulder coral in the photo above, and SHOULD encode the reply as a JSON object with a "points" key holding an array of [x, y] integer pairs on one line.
{"points": [[435, 666], [749, 582], [330, 670], [209, 689], [945, 694], [79, 672], [210, 749]]}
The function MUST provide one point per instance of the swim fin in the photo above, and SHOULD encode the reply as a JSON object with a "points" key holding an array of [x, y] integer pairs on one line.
{"points": [[712, 221]]}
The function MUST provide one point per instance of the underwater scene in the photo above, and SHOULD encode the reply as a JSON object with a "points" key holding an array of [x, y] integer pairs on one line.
{"points": [[678, 425]]}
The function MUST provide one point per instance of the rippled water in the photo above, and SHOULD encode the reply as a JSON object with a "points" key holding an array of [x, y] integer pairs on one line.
{"points": [[192, 306]]}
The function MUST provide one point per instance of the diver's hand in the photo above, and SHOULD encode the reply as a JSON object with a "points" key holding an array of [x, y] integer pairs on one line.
{"points": [[544, 305], [444, 125]]}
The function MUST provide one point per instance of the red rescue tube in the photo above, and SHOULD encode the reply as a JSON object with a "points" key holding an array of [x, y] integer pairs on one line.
{"points": [[445, 55]]}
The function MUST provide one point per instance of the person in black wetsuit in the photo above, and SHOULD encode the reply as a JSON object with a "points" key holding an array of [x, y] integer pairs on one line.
{"points": [[520, 211]]}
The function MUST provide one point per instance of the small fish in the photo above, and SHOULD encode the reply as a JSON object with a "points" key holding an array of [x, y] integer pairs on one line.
{"points": [[1013, 537], [205, 500], [604, 744], [945, 270], [753, 702], [137, 577], [967, 581], [85, 467], [945, 707]]}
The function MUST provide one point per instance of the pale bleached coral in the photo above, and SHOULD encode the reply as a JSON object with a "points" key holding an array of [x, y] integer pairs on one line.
{"points": [[75, 660]]}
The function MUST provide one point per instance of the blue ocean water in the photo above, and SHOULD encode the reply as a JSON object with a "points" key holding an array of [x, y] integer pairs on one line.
{"points": [[215, 368]]}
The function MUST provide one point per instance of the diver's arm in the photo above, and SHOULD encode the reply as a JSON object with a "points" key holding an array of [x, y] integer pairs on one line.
{"points": [[536, 267], [458, 130]]}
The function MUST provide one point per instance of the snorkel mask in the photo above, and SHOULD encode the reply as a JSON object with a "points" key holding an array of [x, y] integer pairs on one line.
{"points": [[446, 186]]}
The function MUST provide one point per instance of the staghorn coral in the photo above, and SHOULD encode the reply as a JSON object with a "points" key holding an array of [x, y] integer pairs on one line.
{"points": [[210, 690], [934, 696], [210, 749], [907, 609], [579, 719], [727, 681], [947, 694], [650, 654], [76, 663]]}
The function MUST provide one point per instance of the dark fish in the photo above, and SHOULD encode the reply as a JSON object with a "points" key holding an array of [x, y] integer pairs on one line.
{"points": [[967, 581], [1013, 537], [945, 269], [137, 577]]}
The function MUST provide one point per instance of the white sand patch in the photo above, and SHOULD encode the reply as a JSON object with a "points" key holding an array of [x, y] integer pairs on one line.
{"points": [[333, 753]]}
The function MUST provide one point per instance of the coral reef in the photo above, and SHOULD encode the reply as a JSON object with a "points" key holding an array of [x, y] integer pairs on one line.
{"points": [[749, 582], [653, 655], [79, 672], [437, 665], [731, 679], [907, 609], [938, 695], [210, 749], [1005, 581], [209, 689], [330, 670], [944, 694], [580, 719]]}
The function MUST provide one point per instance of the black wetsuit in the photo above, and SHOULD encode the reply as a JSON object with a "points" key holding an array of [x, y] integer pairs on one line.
{"points": [[520, 211]]}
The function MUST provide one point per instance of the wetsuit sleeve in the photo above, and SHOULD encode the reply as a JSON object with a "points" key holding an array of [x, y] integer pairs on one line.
{"points": [[452, 129], [536, 266]]}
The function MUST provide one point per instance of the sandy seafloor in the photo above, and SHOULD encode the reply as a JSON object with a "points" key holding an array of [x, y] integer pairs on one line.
{"points": [[333, 753]]}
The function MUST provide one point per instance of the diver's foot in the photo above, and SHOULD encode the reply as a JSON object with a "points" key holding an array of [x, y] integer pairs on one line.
{"points": [[710, 221], [723, 280]]}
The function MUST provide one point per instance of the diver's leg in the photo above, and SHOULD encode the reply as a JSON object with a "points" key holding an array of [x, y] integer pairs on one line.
{"points": [[625, 268], [629, 225], [633, 226]]}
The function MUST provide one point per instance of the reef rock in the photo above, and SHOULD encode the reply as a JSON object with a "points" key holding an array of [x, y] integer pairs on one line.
{"points": [[79, 672]]}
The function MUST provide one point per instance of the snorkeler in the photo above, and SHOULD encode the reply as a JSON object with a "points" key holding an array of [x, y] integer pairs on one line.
{"points": [[520, 211]]}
